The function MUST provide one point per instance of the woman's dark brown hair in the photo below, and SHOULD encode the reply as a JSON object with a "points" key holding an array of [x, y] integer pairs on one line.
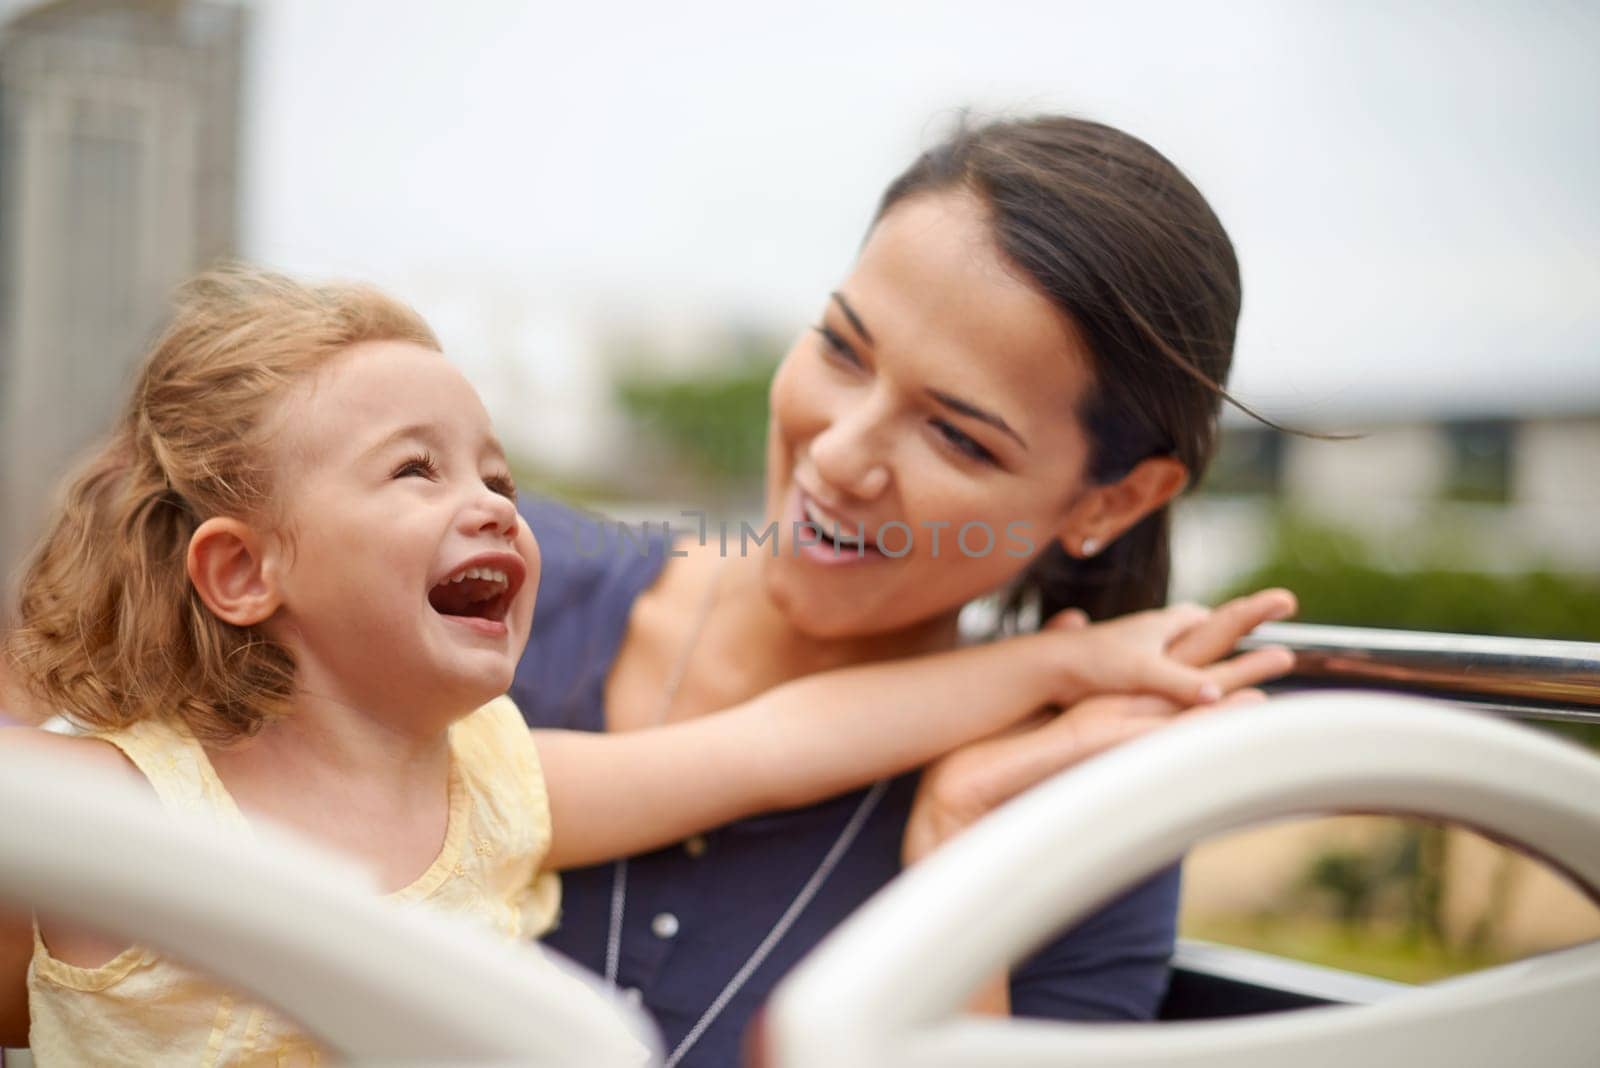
{"points": [[1123, 243]]}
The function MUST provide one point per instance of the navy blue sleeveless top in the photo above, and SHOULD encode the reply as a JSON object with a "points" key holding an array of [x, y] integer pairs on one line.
{"points": [[696, 911]]}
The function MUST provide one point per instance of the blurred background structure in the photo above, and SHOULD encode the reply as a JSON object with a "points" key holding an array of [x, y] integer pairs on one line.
{"points": [[119, 157], [617, 219]]}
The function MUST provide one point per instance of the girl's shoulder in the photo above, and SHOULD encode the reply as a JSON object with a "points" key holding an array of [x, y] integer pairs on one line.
{"points": [[83, 750], [495, 739], [505, 829], [496, 758], [75, 955]]}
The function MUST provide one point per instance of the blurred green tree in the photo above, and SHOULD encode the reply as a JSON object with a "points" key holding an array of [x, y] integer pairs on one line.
{"points": [[1338, 579], [715, 423]]}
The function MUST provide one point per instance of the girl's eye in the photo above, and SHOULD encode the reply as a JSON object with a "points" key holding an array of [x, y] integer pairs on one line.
{"points": [[963, 443], [419, 466], [502, 485], [836, 346]]}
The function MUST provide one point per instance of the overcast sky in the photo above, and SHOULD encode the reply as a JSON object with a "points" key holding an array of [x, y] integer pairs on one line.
{"points": [[1411, 186]]}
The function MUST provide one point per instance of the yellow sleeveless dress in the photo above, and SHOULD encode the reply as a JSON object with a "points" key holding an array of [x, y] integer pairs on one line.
{"points": [[141, 1008]]}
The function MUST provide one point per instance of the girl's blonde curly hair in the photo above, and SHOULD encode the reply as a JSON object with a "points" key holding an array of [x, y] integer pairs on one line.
{"points": [[110, 630]]}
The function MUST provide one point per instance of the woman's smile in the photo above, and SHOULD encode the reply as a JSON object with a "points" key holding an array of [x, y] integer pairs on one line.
{"points": [[825, 538]]}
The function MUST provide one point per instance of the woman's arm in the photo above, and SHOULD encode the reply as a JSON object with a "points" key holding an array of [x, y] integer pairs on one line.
{"points": [[16, 934], [613, 795], [16, 947], [1112, 966], [16, 939]]}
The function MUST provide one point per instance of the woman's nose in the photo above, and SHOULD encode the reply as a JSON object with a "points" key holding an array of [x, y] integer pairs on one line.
{"points": [[850, 454]]}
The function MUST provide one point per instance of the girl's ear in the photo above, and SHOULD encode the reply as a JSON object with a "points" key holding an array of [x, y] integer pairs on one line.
{"points": [[231, 566], [1104, 513]]}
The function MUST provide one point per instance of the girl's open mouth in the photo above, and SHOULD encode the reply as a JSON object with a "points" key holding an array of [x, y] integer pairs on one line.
{"points": [[480, 589]]}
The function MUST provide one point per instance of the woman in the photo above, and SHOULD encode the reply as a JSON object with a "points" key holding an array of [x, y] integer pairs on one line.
{"points": [[1032, 343]]}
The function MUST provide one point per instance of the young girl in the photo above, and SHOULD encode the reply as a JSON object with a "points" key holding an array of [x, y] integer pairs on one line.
{"points": [[291, 588]]}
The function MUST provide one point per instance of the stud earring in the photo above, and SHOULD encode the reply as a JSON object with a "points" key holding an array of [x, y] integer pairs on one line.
{"points": [[1089, 547]]}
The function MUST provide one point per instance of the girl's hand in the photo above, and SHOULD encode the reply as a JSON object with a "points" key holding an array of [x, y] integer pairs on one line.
{"points": [[964, 785], [1138, 653]]}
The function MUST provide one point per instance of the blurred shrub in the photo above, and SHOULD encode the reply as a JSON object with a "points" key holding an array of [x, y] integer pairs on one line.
{"points": [[1338, 580], [1349, 879], [715, 423]]}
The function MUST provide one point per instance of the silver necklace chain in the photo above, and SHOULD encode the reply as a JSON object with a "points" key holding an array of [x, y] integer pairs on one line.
{"points": [[830, 861]]}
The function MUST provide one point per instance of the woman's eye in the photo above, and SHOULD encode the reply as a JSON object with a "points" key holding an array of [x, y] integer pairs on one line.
{"points": [[836, 346], [963, 443]]}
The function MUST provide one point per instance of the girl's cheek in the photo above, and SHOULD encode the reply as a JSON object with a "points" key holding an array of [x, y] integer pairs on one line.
{"points": [[530, 552]]}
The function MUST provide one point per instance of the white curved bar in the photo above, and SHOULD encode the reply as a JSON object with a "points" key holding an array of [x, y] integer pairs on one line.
{"points": [[883, 989], [297, 928]]}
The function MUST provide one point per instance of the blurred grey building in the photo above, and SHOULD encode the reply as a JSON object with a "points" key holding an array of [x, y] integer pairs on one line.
{"points": [[119, 160], [1514, 486]]}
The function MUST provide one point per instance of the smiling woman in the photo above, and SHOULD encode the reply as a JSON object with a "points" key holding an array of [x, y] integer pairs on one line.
{"points": [[1022, 368]]}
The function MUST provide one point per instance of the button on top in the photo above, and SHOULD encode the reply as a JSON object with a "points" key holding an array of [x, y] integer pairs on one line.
{"points": [[665, 925], [695, 846]]}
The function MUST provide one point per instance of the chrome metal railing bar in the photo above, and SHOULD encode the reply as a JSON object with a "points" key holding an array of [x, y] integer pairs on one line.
{"points": [[1525, 678]]}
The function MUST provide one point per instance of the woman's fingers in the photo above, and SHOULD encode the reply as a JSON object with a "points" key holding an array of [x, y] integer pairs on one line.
{"points": [[1178, 682], [1019, 762], [1067, 619], [1237, 699], [1217, 635], [975, 780]]}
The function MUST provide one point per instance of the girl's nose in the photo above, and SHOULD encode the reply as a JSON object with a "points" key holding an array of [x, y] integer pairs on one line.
{"points": [[850, 456], [495, 513]]}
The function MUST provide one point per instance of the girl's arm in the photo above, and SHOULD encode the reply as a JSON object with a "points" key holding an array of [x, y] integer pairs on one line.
{"points": [[613, 795]]}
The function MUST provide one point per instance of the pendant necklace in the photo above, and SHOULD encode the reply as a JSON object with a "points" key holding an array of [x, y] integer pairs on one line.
{"points": [[830, 860]]}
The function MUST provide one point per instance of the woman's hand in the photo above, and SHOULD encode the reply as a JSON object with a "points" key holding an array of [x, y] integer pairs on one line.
{"points": [[964, 785]]}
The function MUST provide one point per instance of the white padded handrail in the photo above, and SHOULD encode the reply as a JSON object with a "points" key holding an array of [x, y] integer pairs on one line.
{"points": [[883, 990], [298, 928]]}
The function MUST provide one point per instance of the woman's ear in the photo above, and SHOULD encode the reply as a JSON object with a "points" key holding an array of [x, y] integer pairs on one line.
{"points": [[230, 565], [1104, 513]]}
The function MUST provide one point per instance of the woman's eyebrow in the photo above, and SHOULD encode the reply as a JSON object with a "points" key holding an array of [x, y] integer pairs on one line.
{"points": [[855, 320], [956, 404]]}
